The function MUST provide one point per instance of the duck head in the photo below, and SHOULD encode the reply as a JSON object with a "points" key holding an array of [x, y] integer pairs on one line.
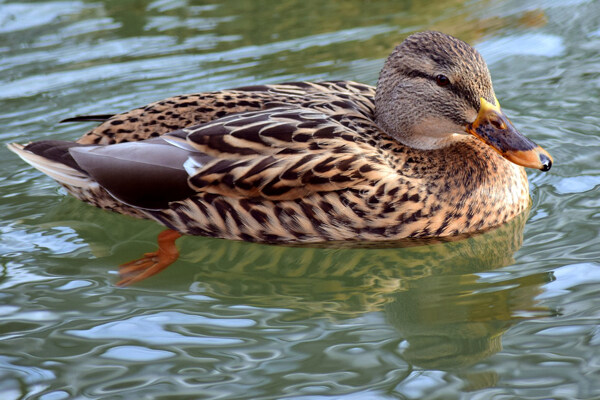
{"points": [[434, 87]]}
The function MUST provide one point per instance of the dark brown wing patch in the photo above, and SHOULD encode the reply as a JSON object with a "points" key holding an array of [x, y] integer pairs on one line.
{"points": [[147, 175]]}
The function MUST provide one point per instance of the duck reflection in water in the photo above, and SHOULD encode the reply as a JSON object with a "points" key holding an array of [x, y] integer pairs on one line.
{"points": [[433, 294]]}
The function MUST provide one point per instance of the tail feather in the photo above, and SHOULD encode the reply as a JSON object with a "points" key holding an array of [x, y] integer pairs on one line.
{"points": [[61, 168], [86, 118]]}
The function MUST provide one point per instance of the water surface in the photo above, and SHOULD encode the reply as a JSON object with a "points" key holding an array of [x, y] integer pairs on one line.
{"points": [[512, 313]]}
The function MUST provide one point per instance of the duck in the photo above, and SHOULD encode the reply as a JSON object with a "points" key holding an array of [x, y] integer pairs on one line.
{"points": [[427, 153]]}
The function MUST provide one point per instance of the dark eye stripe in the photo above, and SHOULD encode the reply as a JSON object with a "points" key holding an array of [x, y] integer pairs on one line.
{"points": [[454, 88], [413, 73]]}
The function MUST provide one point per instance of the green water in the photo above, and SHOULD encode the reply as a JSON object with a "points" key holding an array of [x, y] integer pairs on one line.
{"points": [[511, 314]]}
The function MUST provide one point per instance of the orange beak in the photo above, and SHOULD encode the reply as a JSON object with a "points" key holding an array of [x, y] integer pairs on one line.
{"points": [[496, 130]]}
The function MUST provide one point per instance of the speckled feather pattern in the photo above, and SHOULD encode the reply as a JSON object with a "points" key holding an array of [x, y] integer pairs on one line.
{"points": [[305, 162]]}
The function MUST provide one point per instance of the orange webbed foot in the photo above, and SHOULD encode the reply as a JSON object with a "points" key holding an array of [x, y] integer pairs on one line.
{"points": [[151, 263]]}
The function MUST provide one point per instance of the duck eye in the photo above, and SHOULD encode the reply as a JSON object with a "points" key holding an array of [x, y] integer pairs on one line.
{"points": [[442, 80]]}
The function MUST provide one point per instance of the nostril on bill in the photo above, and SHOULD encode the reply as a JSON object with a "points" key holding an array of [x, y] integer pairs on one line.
{"points": [[496, 123]]}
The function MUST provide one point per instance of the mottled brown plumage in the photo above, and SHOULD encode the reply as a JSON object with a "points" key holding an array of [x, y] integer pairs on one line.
{"points": [[311, 162]]}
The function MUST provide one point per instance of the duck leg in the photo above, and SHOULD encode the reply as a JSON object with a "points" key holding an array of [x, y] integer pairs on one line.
{"points": [[151, 263]]}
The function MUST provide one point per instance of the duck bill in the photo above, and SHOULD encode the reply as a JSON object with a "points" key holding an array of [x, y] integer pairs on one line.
{"points": [[496, 130]]}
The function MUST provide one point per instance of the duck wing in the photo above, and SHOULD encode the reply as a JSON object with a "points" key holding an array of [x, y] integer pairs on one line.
{"points": [[178, 112], [277, 154]]}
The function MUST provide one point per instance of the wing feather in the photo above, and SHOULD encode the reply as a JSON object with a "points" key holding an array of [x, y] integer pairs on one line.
{"points": [[277, 154]]}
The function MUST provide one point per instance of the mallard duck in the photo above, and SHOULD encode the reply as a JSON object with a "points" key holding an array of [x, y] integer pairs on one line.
{"points": [[429, 153]]}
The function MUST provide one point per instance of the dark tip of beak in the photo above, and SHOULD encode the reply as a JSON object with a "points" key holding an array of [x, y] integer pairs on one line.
{"points": [[546, 162]]}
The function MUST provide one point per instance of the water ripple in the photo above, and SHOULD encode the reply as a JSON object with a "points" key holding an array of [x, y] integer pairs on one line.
{"points": [[153, 329]]}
